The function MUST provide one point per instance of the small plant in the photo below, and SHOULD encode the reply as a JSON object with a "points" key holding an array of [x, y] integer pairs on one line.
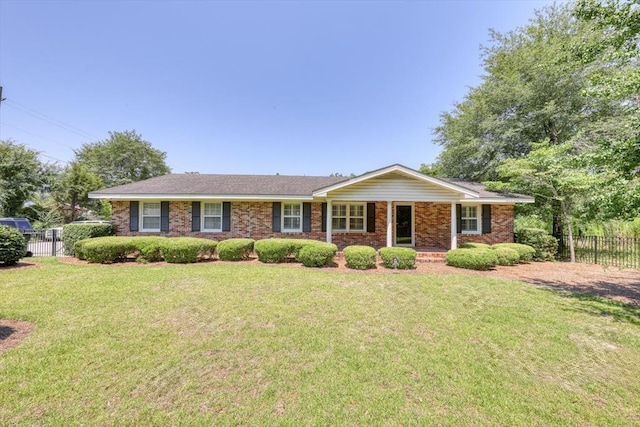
{"points": [[235, 249], [13, 246], [473, 259], [108, 249], [319, 254], [474, 245], [75, 232], [506, 256], [546, 246], [400, 258], [525, 252], [183, 250], [360, 257], [273, 250]]}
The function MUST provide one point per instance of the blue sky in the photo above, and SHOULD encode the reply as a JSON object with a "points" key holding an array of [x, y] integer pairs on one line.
{"points": [[256, 87]]}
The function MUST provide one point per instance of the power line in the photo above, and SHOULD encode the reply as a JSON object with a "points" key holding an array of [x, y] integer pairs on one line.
{"points": [[51, 120], [36, 135]]}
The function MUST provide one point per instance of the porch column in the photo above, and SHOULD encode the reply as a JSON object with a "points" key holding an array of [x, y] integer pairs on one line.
{"points": [[329, 211], [454, 235], [389, 224]]}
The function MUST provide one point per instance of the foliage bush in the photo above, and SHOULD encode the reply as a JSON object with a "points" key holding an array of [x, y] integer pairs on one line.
{"points": [[318, 254], [108, 249], [474, 245], [473, 259], [75, 232], [273, 250], [546, 246], [13, 246], [149, 248], [525, 252], [182, 250], [360, 257], [298, 244], [235, 249], [507, 256], [406, 257]]}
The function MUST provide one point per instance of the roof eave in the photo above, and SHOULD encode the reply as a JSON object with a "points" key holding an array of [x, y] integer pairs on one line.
{"points": [[165, 196]]}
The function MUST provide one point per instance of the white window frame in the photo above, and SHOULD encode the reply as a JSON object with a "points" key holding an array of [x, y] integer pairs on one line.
{"points": [[283, 216], [143, 216], [348, 218], [478, 219], [203, 215]]}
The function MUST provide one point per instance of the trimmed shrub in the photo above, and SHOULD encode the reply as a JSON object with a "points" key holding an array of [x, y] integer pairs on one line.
{"points": [[298, 244], [473, 259], [546, 246], [182, 250], [13, 246], [235, 249], [319, 254], [149, 248], [273, 250], [474, 245], [525, 252], [406, 257], [507, 256], [108, 249], [75, 232], [360, 257]]}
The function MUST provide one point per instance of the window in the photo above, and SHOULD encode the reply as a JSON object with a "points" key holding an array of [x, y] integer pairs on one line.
{"points": [[349, 218], [470, 220], [151, 216], [292, 217], [212, 217]]}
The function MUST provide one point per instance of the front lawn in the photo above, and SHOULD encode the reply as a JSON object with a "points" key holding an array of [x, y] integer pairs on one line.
{"points": [[226, 344]]}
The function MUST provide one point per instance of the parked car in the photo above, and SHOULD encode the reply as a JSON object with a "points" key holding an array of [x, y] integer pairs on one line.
{"points": [[22, 225], [91, 221], [48, 233]]}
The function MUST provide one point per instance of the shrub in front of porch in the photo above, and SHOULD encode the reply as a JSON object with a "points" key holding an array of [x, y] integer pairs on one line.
{"points": [[506, 256], [319, 254], [472, 259], [360, 257], [400, 258], [235, 249], [526, 252], [273, 250]]}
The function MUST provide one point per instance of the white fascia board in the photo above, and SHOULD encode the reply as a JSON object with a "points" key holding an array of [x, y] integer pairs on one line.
{"points": [[497, 201], [225, 197], [322, 192]]}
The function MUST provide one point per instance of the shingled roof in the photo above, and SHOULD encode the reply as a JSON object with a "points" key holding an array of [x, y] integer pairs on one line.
{"points": [[213, 184]]}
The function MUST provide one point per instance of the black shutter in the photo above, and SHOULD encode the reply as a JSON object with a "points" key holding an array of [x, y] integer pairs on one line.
{"points": [[324, 217], [133, 215], [195, 216], [306, 217], [226, 216], [164, 216], [275, 215], [458, 218], [371, 217], [486, 219]]}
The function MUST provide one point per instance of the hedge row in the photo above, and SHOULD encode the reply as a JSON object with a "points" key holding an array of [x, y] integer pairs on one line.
{"points": [[111, 249], [479, 256], [72, 233]]}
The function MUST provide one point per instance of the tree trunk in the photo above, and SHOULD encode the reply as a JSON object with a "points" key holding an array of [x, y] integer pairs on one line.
{"points": [[565, 213]]}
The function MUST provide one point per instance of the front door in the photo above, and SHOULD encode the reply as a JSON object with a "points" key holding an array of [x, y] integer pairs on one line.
{"points": [[404, 225]]}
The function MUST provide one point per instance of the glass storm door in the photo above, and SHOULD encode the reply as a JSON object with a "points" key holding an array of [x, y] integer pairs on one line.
{"points": [[404, 225]]}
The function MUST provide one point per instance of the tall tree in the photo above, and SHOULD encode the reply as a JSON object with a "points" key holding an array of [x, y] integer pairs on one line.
{"points": [[21, 175], [75, 184], [122, 158]]}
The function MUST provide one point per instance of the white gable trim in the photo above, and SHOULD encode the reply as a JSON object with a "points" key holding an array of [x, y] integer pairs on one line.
{"points": [[322, 192]]}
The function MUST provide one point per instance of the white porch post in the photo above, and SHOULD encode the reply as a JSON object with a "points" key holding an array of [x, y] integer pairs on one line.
{"points": [[454, 235], [389, 224], [329, 211]]}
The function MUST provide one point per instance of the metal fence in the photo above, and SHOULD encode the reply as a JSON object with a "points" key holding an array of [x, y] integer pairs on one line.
{"points": [[623, 252], [45, 243]]}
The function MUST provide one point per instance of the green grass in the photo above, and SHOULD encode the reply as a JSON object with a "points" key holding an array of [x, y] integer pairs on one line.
{"points": [[233, 344]]}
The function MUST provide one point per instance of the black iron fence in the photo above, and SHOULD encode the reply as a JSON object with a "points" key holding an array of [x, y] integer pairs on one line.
{"points": [[622, 252], [45, 243]]}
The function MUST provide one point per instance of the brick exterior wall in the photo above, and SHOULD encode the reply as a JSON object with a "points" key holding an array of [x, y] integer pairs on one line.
{"points": [[253, 219]]}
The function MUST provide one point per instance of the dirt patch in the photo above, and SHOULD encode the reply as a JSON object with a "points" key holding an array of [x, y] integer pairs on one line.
{"points": [[12, 332]]}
